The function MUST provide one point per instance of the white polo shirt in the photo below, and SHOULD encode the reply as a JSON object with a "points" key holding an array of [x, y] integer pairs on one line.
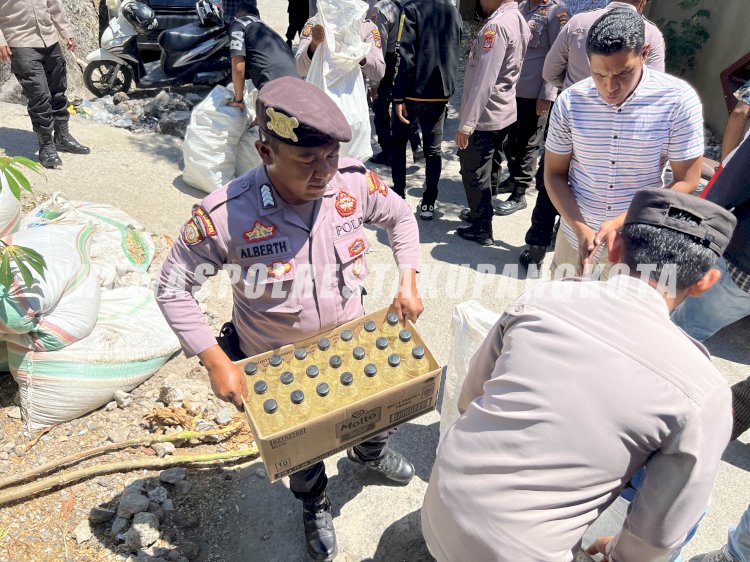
{"points": [[617, 151]]}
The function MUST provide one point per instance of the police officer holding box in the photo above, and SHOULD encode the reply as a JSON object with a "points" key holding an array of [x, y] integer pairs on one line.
{"points": [[295, 227]]}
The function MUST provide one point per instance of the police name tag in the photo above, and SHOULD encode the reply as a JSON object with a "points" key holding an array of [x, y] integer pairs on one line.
{"points": [[276, 247]]}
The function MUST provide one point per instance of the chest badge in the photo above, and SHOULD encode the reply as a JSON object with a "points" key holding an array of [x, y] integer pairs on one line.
{"points": [[346, 205], [279, 268], [356, 247], [489, 39], [259, 232]]}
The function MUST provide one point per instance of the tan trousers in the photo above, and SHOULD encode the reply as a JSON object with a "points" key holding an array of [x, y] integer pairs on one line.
{"points": [[565, 261]]}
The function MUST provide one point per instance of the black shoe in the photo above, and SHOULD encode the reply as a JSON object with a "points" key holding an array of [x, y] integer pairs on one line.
{"points": [[393, 465], [320, 536], [426, 212], [506, 186], [465, 215], [48, 156], [532, 255], [383, 158], [479, 235], [289, 43], [417, 155], [65, 142], [505, 208]]}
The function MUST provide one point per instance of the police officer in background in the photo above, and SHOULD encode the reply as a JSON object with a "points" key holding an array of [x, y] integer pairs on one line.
{"points": [[534, 97], [488, 109], [299, 11], [257, 51], [289, 221]]}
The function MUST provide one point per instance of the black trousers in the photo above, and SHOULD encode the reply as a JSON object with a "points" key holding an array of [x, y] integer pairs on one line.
{"points": [[298, 16], [43, 79], [477, 161], [522, 148], [381, 107], [431, 118]]}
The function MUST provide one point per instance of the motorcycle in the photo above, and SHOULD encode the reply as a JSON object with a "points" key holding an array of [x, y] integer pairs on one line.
{"points": [[190, 54]]}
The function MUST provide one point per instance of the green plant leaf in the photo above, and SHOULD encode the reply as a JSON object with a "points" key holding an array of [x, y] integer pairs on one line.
{"points": [[30, 164], [28, 278], [19, 177], [15, 189], [6, 275], [35, 260]]}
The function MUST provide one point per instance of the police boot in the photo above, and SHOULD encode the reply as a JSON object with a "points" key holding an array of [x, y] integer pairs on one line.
{"points": [[393, 466], [513, 204], [533, 255], [480, 234], [47, 152], [65, 142], [320, 536]]}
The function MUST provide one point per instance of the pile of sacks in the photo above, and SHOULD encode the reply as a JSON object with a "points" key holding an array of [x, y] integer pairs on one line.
{"points": [[90, 325]]}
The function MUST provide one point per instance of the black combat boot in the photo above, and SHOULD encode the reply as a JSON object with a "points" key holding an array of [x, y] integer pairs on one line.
{"points": [[393, 466], [533, 256], [320, 536], [65, 142], [476, 233], [513, 204], [47, 152]]}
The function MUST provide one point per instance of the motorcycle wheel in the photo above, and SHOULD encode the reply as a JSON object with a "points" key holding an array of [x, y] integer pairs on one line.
{"points": [[101, 80]]}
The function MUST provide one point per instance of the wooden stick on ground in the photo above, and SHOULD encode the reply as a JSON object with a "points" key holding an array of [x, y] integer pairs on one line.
{"points": [[21, 492], [147, 440]]}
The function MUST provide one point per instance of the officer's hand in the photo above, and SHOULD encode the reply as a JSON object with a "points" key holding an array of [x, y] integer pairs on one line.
{"points": [[599, 546], [542, 107], [318, 35], [401, 113], [462, 140], [72, 44], [5, 53], [407, 302], [227, 379]]}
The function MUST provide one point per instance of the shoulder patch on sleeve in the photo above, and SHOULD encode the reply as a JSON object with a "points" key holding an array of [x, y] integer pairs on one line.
{"points": [[198, 227], [375, 184], [563, 16], [488, 39], [307, 30], [376, 38]]}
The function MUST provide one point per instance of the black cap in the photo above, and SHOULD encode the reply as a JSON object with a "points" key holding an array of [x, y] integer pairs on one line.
{"points": [[298, 113], [251, 368], [275, 360], [346, 378], [287, 378], [713, 225], [322, 389], [347, 335], [394, 360], [260, 387], [381, 343], [370, 370], [392, 318], [297, 396], [370, 326], [324, 344], [270, 406], [418, 352], [300, 353], [358, 353], [312, 371], [335, 361], [404, 336]]}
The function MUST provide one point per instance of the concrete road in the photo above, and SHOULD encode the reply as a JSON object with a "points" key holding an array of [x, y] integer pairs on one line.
{"points": [[374, 521]]}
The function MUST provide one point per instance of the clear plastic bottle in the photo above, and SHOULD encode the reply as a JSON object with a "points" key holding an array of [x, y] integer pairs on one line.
{"points": [[286, 378], [299, 408], [299, 362], [344, 345], [416, 363], [393, 373], [355, 361], [323, 402], [319, 356], [380, 355], [403, 344], [273, 419], [260, 388], [275, 367], [372, 382], [391, 327], [310, 380], [346, 390], [333, 371], [368, 335]]}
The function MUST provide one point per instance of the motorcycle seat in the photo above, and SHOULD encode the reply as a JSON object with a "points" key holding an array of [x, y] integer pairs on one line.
{"points": [[187, 36]]}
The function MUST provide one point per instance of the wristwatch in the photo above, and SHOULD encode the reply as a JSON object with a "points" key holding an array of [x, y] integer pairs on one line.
{"points": [[235, 100]]}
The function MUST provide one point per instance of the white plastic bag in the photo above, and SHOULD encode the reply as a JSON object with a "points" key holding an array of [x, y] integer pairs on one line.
{"points": [[130, 342], [119, 244], [470, 325], [335, 69], [211, 141], [60, 307], [10, 209]]}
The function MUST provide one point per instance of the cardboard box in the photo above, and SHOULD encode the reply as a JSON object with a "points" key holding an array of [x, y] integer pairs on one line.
{"points": [[304, 444]]}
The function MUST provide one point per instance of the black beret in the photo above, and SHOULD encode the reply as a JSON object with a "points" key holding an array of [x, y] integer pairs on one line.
{"points": [[710, 224], [298, 113]]}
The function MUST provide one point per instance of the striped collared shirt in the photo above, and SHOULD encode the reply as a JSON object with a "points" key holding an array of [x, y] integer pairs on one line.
{"points": [[617, 151]]}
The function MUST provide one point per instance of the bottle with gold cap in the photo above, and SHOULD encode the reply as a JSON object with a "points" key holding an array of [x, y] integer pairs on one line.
{"points": [[299, 407], [319, 355], [367, 335], [393, 373], [356, 360], [391, 327], [272, 420], [323, 402], [379, 356], [345, 344], [346, 389], [372, 382], [416, 362]]}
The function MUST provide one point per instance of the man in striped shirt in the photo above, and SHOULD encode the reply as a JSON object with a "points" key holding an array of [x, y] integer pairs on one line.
{"points": [[611, 135]]}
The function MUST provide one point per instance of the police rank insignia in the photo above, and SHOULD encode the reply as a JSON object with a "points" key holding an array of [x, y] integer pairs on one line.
{"points": [[259, 232], [307, 30], [375, 184], [282, 125], [489, 39], [279, 268], [198, 227], [376, 37], [356, 247], [266, 197], [346, 205]]}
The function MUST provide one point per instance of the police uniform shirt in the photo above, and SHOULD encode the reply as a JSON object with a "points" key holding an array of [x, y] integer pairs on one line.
{"points": [[33, 23], [267, 56], [247, 226], [545, 22], [386, 14], [492, 72]]}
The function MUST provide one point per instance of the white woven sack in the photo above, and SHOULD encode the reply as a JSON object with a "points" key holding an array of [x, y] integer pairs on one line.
{"points": [[119, 243], [130, 342], [59, 307], [10, 209], [335, 69]]}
